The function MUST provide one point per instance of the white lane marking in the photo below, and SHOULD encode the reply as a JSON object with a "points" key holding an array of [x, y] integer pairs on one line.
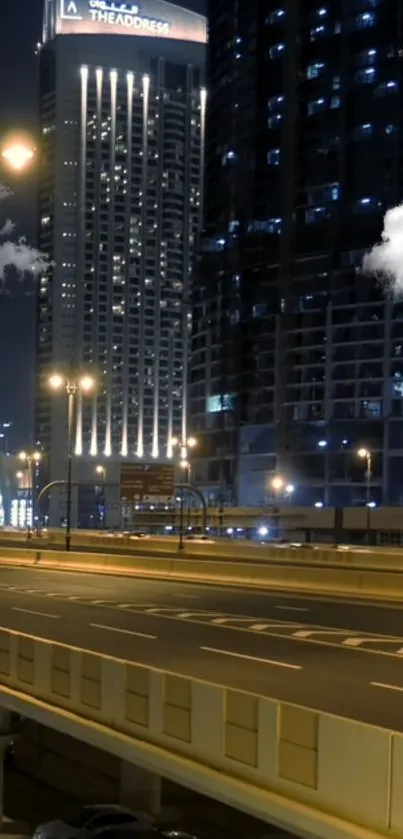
{"points": [[386, 686], [37, 614], [123, 631], [307, 633], [292, 608], [356, 642], [258, 627], [252, 658]]}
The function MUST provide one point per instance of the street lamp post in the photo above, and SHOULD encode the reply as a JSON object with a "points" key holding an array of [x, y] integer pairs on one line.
{"points": [[100, 470], [366, 455], [183, 445], [71, 384], [31, 459]]}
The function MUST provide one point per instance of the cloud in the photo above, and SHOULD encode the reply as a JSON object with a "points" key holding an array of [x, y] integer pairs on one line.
{"points": [[18, 255], [385, 260], [8, 228], [22, 257]]}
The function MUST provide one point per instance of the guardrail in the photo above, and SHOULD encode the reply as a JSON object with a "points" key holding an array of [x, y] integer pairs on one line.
{"points": [[304, 770], [293, 575]]}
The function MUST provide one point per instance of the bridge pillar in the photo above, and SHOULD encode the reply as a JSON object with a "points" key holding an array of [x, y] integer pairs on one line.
{"points": [[6, 736], [139, 788]]}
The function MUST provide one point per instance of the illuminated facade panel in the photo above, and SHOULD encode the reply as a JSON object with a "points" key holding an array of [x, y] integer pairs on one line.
{"points": [[153, 18]]}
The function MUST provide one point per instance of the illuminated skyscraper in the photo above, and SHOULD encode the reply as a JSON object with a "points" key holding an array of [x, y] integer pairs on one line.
{"points": [[122, 114], [297, 356]]}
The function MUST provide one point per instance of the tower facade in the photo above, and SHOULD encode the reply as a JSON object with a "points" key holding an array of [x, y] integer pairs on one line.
{"points": [[120, 195]]}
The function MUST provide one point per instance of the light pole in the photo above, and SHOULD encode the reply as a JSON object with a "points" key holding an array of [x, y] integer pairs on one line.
{"points": [[31, 459], [100, 470], [183, 445], [281, 486], [70, 384], [366, 455], [17, 153]]}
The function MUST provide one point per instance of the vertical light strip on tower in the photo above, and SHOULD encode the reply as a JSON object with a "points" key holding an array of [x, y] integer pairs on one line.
{"points": [[95, 295], [126, 332], [80, 260], [142, 301], [171, 361], [203, 106], [186, 254], [157, 274], [113, 76]]}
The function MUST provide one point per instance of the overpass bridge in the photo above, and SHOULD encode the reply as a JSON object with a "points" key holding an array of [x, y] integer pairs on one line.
{"points": [[313, 773]]}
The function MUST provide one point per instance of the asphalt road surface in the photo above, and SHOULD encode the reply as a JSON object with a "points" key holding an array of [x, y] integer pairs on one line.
{"points": [[341, 656]]}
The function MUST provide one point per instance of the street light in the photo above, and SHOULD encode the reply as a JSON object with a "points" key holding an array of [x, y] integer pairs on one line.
{"points": [[366, 455], [71, 384], [183, 444], [17, 154], [101, 471], [31, 459]]}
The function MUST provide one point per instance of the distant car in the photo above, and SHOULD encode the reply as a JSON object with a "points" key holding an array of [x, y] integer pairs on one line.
{"points": [[92, 820], [178, 834], [139, 534], [199, 537], [154, 833]]}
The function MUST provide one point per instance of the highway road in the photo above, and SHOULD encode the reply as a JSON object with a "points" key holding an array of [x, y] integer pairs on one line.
{"points": [[340, 656]]}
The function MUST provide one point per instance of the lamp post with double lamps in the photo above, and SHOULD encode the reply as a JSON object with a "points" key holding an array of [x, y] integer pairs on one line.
{"points": [[31, 459], [366, 455], [183, 444], [72, 385], [101, 471]]}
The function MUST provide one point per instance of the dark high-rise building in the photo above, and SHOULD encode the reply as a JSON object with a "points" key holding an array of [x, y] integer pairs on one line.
{"points": [[122, 112], [297, 357]]}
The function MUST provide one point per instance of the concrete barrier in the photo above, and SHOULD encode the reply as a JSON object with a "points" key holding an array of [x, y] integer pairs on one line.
{"points": [[320, 579], [306, 771]]}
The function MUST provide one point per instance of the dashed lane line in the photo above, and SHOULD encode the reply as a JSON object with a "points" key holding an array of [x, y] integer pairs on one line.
{"points": [[232, 654], [124, 631], [36, 614]]}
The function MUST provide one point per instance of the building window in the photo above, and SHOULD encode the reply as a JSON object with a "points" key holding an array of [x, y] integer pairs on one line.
{"points": [[364, 205], [315, 214], [317, 32], [371, 410], [274, 121], [362, 132], [275, 16], [365, 20], [315, 70], [390, 129], [335, 102], [274, 102], [386, 88], [316, 106], [220, 402], [365, 76], [365, 58], [276, 50], [273, 157]]}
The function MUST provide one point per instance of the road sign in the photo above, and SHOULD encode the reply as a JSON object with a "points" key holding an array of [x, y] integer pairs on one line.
{"points": [[151, 482]]}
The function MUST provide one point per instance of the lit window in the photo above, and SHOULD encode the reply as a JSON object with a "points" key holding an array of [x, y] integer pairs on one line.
{"points": [[317, 32], [390, 129], [365, 76], [366, 204], [273, 157], [365, 58], [335, 101], [337, 28], [274, 102], [315, 214], [275, 16], [316, 106], [371, 409], [274, 121], [315, 70], [276, 50], [362, 132], [220, 402], [336, 83], [387, 88], [365, 20]]}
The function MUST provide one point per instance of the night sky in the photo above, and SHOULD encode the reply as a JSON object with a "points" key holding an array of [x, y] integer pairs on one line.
{"points": [[20, 31]]}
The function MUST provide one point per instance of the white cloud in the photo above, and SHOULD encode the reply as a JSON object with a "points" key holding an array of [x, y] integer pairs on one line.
{"points": [[385, 260], [18, 255]]}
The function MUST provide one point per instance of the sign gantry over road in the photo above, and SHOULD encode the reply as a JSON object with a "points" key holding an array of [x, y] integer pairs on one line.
{"points": [[151, 482]]}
